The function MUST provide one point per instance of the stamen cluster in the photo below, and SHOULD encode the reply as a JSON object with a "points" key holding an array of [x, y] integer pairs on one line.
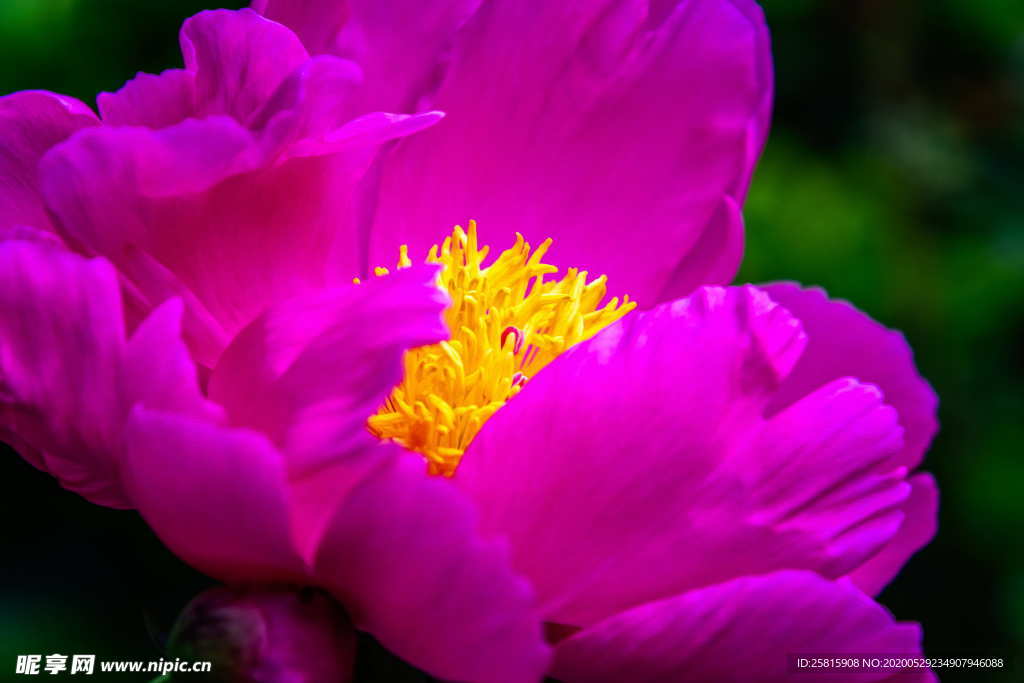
{"points": [[507, 321]]}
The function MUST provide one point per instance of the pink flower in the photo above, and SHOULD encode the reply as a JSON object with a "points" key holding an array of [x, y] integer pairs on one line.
{"points": [[693, 491]]}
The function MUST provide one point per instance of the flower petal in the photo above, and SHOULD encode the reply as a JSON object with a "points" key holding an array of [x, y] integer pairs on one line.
{"points": [[747, 628], [31, 122], [154, 101], [403, 554], [309, 372], [640, 463], [842, 341], [622, 135], [316, 22], [234, 62], [918, 528], [187, 204], [158, 371], [308, 116], [310, 102], [403, 47], [68, 378], [217, 497], [239, 59]]}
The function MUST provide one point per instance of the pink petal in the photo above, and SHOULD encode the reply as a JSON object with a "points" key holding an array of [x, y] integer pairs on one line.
{"points": [[234, 62], [403, 554], [310, 102], [245, 193], [31, 122], [628, 138], [640, 463], [309, 372], [316, 22], [147, 283], [397, 548], [745, 629], [68, 378], [918, 528], [184, 206], [308, 116], [188, 157], [239, 60], [24, 233], [152, 101], [843, 341], [217, 497], [157, 366], [403, 47], [61, 336]]}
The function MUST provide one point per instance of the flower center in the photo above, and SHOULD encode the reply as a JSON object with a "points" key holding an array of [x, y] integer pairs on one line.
{"points": [[507, 321]]}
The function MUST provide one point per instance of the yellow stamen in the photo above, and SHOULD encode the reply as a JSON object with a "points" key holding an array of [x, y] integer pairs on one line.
{"points": [[507, 322]]}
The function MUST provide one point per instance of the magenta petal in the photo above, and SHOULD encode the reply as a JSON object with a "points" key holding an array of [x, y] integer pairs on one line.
{"points": [[403, 554], [61, 336], [147, 283], [155, 101], [234, 62], [239, 60], [67, 376], [307, 116], [309, 103], [715, 256], [361, 138], [185, 206], [31, 122], [309, 372], [918, 528], [248, 200], [666, 475], [165, 380], [629, 139], [217, 497], [25, 233], [188, 157], [842, 341], [403, 47], [742, 630], [316, 22]]}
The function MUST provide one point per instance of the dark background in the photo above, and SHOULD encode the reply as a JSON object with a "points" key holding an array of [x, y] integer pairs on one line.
{"points": [[894, 177]]}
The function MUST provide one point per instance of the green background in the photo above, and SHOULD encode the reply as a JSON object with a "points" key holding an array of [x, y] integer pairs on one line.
{"points": [[894, 177]]}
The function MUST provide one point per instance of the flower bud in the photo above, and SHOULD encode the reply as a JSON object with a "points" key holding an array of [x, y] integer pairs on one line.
{"points": [[270, 635]]}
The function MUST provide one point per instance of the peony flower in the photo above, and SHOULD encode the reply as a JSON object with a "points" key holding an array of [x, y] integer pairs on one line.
{"points": [[691, 489]]}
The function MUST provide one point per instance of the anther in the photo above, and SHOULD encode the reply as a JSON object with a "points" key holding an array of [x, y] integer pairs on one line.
{"points": [[517, 346]]}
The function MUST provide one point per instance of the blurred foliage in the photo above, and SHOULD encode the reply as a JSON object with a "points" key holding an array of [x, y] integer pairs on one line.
{"points": [[894, 178]]}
